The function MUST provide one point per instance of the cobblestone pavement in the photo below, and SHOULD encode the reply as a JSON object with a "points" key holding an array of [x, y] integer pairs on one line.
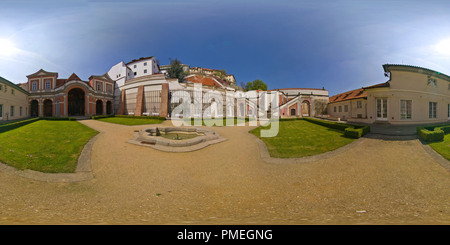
{"points": [[376, 182]]}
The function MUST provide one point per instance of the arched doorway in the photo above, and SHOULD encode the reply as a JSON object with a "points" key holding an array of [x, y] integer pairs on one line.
{"points": [[306, 112], [48, 108], [108, 107], [34, 108], [76, 102], [99, 107]]}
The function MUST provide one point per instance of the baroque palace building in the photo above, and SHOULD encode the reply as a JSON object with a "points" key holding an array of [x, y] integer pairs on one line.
{"points": [[412, 95], [50, 96]]}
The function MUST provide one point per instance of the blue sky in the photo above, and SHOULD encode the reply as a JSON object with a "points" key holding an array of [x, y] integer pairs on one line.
{"points": [[339, 45]]}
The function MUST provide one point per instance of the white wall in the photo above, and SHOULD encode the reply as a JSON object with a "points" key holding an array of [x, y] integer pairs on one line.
{"points": [[140, 66]]}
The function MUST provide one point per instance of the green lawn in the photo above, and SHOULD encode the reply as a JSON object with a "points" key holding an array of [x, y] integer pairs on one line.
{"points": [[45, 146], [130, 121], [217, 121], [300, 138], [442, 147]]}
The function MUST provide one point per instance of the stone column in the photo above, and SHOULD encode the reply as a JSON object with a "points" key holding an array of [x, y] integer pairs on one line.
{"points": [[164, 108], [139, 101], [121, 109]]}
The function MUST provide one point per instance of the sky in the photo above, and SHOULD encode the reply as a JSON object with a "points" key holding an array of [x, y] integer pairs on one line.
{"points": [[338, 45]]}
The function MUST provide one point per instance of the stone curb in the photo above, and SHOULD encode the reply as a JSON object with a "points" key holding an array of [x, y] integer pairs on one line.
{"points": [[436, 156], [265, 155], [83, 171]]}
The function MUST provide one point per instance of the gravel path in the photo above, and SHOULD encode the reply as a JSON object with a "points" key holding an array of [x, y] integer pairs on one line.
{"points": [[376, 182]]}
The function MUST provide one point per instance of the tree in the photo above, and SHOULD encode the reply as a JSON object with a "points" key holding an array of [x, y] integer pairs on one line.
{"points": [[255, 85], [176, 70]]}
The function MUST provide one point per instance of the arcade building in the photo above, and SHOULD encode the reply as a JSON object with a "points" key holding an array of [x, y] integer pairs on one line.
{"points": [[50, 96]]}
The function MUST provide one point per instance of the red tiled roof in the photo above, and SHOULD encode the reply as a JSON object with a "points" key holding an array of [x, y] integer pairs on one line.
{"points": [[357, 93], [60, 82], [204, 80], [350, 95]]}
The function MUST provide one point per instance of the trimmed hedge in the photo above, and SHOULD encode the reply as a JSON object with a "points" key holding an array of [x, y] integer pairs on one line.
{"points": [[350, 130], [433, 133], [10, 126], [129, 116], [58, 118], [102, 116]]}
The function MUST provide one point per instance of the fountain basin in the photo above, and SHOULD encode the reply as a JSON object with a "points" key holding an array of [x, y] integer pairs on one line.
{"points": [[176, 139]]}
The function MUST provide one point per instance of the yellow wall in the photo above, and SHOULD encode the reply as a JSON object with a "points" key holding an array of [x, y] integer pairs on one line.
{"points": [[352, 112], [8, 99], [406, 85]]}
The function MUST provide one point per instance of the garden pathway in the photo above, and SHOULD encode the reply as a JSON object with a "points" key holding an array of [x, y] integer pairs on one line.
{"points": [[379, 181]]}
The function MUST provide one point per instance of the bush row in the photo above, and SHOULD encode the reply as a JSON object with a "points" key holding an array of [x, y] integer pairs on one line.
{"points": [[129, 116], [433, 133], [102, 116], [13, 125], [58, 118], [350, 130]]}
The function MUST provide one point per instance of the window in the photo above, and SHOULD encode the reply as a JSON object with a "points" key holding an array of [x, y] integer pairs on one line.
{"points": [[135, 73], [145, 63], [359, 104], [0, 87], [48, 84], [340, 108], [405, 109], [335, 109], [12, 91], [109, 88], [1, 111], [34, 86], [134, 66], [346, 108], [432, 108], [99, 86], [12, 111], [448, 114], [145, 71], [6, 88]]}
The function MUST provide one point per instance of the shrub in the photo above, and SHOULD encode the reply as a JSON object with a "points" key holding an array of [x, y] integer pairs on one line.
{"points": [[102, 116], [353, 132], [432, 134], [350, 130], [141, 117], [10, 126], [59, 118], [446, 129]]}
